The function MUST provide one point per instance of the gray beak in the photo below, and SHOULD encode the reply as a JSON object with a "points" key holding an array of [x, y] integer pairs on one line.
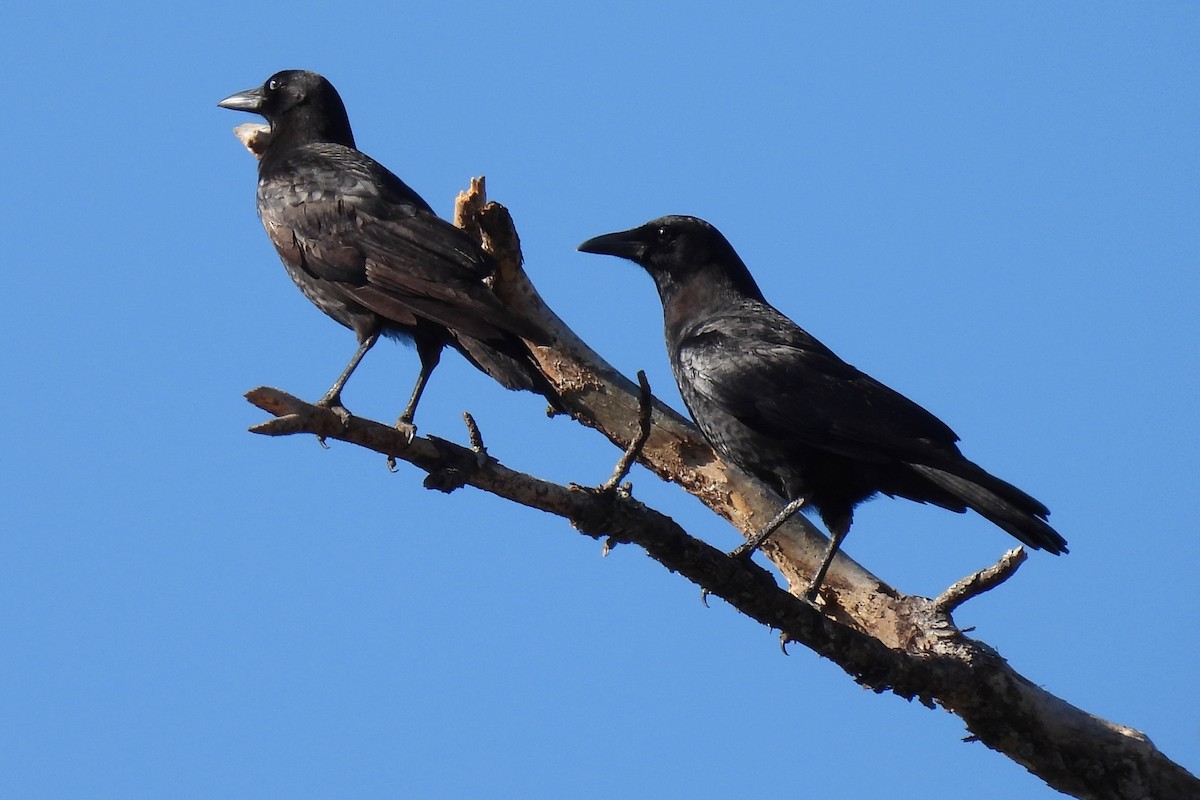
{"points": [[250, 100], [625, 244]]}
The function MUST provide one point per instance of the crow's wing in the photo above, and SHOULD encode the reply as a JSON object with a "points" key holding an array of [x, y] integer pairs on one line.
{"points": [[777, 379], [339, 216]]}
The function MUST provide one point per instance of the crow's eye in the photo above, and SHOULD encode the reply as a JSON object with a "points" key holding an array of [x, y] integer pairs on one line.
{"points": [[661, 234], [273, 85]]}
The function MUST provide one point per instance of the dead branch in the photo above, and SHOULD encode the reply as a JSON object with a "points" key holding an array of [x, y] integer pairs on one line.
{"points": [[1071, 750], [885, 640]]}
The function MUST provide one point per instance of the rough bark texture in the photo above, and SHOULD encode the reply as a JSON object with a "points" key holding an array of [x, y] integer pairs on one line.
{"points": [[885, 640]]}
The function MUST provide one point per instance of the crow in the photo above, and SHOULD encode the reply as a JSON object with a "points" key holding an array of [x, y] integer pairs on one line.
{"points": [[370, 252], [780, 405]]}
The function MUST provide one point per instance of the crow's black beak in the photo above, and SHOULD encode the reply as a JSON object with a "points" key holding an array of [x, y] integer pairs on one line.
{"points": [[625, 244], [250, 100]]}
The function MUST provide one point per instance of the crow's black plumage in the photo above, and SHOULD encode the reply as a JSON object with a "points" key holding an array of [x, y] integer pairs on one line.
{"points": [[776, 402], [368, 251]]}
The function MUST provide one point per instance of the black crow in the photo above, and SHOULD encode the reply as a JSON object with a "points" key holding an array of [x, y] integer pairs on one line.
{"points": [[776, 402], [369, 252]]}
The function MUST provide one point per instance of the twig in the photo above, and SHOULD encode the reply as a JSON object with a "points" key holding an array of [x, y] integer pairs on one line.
{"points": [[451, 478], [631, 454], [475, 438], [982, 581]]}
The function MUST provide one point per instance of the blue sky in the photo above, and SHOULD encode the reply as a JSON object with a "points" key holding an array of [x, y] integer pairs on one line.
{"points": [[990, 207]]}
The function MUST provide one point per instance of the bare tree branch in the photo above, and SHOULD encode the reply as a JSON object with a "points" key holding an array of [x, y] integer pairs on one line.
{"points": [[1071, 750], [885, 640], [982, 581]]}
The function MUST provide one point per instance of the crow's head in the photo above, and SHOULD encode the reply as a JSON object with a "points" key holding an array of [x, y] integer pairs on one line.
{"points": [[302, 105], [676, 249]]}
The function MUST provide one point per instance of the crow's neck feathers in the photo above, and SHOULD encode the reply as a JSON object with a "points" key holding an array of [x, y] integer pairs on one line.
{"points": [[704, 290], [706, 286], [319, 117]]}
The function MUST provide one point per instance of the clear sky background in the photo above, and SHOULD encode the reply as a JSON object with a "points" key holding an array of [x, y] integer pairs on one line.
{"points": [[993, 208]]}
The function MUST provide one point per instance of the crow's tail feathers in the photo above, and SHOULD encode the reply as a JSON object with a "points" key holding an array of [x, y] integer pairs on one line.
{"points": [[1000, 502]]}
